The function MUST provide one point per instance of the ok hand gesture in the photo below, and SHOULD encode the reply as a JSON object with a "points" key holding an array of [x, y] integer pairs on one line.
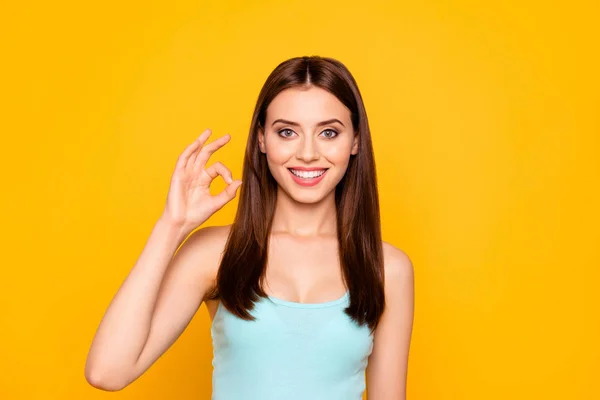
{"points": [[189, 202]]}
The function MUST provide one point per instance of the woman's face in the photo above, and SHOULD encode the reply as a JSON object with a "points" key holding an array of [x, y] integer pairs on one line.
{"points": [[308, 140]]}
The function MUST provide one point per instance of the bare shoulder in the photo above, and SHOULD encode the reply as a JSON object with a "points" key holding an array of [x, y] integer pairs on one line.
{"points": [[210, 238], [397, 265], [205, 244]]}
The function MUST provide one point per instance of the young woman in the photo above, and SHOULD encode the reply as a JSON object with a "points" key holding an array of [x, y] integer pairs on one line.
{"points": [[304, 296]]}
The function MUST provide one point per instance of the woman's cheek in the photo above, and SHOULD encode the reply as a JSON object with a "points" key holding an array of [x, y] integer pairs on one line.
{"points": [[337, 154], [280, 152]]}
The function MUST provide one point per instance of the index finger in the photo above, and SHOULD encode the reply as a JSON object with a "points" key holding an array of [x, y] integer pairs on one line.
{"points": [[188, 153], [206, 151]]}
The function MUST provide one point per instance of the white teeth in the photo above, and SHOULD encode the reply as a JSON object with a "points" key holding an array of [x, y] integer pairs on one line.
{"points": [[307, 174]]}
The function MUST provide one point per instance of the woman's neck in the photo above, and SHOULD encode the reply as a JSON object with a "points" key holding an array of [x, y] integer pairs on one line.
{"points": [[305, 220]]}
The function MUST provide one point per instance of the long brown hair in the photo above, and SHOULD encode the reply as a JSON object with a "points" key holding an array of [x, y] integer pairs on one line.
{"points": [[242, 269]]}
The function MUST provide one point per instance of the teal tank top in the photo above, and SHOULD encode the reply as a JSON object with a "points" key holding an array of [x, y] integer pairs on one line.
{"points": [[292, 351]]}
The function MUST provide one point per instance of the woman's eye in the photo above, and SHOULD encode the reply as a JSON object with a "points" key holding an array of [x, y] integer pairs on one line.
{"points": [[286, 132], [329, 133]]}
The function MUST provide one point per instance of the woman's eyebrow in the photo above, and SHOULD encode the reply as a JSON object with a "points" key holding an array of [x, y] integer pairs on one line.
{"points": [[326, 122]]}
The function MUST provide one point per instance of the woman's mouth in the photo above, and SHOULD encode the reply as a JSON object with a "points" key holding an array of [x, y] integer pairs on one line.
{"points": [[307, 178]]}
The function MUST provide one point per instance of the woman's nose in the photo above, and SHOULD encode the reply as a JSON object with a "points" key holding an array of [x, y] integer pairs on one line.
{"points": [[307, 150]]}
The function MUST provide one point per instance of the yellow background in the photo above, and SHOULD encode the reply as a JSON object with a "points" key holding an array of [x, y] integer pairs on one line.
{"points": [[486, 127]]}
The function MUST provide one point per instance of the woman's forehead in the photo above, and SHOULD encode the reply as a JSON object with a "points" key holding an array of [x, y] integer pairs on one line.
{"points": [[307, 106]]}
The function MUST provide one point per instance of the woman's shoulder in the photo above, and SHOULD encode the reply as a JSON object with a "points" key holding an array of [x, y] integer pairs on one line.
{"points": [[206, 245], [210, 236], [397, 264]]}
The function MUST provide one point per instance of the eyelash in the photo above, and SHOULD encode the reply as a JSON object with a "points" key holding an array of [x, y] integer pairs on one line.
{"points": [[286, 129]]}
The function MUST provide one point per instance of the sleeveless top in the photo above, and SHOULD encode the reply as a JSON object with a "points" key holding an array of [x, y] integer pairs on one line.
{"points": [[291, 351]]}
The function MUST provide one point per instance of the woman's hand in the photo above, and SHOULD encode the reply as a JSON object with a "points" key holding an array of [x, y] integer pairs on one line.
{"points": [[189, 202]]}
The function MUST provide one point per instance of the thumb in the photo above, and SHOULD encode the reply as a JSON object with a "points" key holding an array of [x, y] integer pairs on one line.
{"points": [[229, 192]]}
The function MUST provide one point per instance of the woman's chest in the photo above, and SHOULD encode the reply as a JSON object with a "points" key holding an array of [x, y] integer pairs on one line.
{"points": [[312, 334], [304, 272]]}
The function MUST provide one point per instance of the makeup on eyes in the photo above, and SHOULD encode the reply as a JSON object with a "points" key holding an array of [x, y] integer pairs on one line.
{"points": [[335, 131]]}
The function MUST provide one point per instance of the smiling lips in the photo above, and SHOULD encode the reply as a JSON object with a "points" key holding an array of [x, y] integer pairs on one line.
{"points": [[307, 176]]}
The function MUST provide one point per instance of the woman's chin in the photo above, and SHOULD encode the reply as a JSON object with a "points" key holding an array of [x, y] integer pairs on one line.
{"points": [[306, 195]]}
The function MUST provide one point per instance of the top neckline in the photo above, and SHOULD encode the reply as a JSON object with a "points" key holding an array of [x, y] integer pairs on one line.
{"points": [[294, 304]]}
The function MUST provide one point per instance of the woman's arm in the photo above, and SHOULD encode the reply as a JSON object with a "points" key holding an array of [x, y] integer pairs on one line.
{"points": [[165, 288], [388, 363], [154, 305]]}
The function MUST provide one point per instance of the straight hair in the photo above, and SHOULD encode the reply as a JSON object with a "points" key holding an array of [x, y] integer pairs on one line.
{"points": [[241, 273]]}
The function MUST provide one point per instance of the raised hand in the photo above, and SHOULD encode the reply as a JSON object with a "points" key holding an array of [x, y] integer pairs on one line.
{"points": [[189, 202]]}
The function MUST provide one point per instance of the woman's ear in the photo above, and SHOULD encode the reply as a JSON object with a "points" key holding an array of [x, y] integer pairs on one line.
{"points": [[355, 145], [261, 141]]}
